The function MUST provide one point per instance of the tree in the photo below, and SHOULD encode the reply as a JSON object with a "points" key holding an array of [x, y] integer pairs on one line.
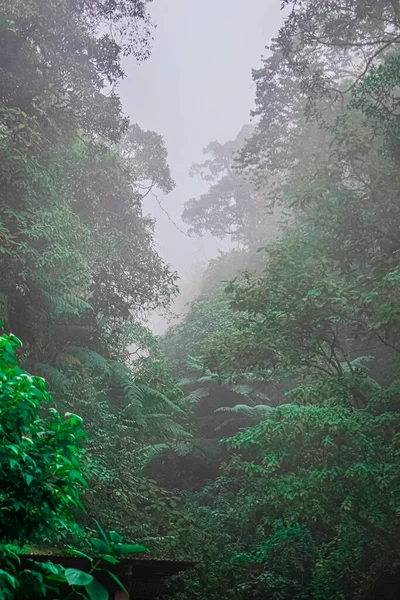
{"points": [[79, 268], [310, 490], [232, 207]]}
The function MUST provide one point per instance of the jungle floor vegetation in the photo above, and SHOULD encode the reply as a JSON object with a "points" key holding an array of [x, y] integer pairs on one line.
{"points": [[261, 435]]}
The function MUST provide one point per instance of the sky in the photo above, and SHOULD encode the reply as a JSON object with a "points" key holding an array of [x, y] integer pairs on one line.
{"points": [[195, 88]]}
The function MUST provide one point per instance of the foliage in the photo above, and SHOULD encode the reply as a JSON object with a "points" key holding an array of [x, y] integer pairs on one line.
{"points": [[40, 463], [260, 435], [232, 206], [40, 458], [304, 502], [207, 316], [70, 582], [79, 268]]}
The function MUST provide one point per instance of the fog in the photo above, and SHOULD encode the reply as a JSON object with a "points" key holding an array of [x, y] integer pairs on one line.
{"points": [[196, 87], [246, 432]]}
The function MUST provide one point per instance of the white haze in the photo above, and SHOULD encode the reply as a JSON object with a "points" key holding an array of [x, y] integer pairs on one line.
{"points": [[195, 88]]}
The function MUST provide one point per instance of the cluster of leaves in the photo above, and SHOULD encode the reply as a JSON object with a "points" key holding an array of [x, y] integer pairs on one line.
{"points": [[70, 582], [42, 481], [39, 460]]}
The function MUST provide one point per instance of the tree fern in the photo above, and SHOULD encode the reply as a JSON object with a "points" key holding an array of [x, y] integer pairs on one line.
{"points": [[150, 453], [156, 400], [121, 376], [197, 395], [242, 389], [357, 363], [165, 425], [188, 447], [259, 411], [67, 304], [55, 376], [90, 359]]}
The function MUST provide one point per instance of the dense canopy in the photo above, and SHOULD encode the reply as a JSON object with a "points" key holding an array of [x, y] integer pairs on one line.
{"points": [[259, 436]]}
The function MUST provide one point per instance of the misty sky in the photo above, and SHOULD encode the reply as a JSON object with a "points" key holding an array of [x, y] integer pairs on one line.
{"points": [[195, 88]]}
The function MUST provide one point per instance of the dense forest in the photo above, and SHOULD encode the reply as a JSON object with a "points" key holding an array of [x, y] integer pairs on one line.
{"points": [[260, 435]]}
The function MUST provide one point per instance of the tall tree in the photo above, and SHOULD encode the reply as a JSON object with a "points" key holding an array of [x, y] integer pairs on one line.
{"points": [[232, 207]]}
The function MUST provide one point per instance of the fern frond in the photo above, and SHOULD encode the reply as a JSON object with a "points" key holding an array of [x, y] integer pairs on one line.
{"points": [[90, 358], [154, 399], [124, 380], [164, 425], [133, 411], [241, 389], [210, 377], [186, 381], [356, 363], [182, 448], [195, 364], [67, 304], [66, 359], [152, 452], [260, 410], [54, 375], [197, 395]]}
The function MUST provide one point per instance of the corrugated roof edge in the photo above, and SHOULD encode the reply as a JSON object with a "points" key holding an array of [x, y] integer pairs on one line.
{"points": [[46, 556]]}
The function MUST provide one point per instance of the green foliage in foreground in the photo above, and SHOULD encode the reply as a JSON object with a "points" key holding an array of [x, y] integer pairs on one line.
{"points": [[42, 480], [300, 501], [39, 460], [40, 455]]}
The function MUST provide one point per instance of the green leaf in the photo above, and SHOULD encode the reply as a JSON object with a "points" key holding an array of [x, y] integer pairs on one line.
{"points": [[120, 584], [28, 478], [76, 476], [115, 537], [99, 545], [9, 578], [97, 591], [74, 552], [109, 558], [53, 568], [102, 533], [78, 577], [130, 548]]}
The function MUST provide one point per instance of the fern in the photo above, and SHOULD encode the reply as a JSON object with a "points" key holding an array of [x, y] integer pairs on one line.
{"points": [[152, 452], [185, 381], [67, 304], [197, 395], [202, 447], [133, 412], [90, 359], [122, 378], [54, 375], [260, 410], [242, 389], [357, 363], [148, 407], [195, 364], [155, 399], [164, 425]]}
